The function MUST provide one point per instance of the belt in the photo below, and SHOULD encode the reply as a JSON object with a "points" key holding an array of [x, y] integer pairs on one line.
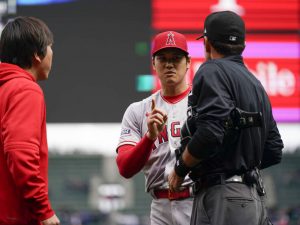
{"points": [[166, 193], [217, 179], [235, 178]]}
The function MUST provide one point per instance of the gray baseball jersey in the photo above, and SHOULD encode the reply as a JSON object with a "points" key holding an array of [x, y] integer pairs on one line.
{"points": [[162, 158]]}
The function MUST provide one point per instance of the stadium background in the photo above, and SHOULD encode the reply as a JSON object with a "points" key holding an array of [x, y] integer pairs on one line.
{"points": [[102, 64]]}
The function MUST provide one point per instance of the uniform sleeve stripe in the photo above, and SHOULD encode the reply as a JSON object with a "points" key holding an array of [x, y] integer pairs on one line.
{"points": [[126, 143]]}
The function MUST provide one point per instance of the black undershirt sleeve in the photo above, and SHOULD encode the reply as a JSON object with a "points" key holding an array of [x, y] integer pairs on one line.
{"points": [[213, 104]]}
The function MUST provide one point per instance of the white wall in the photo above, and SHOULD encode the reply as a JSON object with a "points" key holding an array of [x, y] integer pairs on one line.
{"points": [[102, 138]]}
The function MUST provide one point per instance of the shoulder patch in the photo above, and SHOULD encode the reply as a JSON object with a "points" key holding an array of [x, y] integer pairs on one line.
{"points": [[125, 131]]}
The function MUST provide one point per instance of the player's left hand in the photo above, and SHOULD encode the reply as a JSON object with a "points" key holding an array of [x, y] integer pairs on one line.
{"points": [[174, 181]]}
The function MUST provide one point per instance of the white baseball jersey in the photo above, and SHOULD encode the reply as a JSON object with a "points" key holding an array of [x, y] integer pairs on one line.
{"points": [[162, 158]]}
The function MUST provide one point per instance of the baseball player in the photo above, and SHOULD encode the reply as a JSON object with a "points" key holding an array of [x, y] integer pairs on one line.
{"points": [[151, 132]]}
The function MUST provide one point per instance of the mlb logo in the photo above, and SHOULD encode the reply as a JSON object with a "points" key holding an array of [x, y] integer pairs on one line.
{"points": [[232, 38], [125, 131]]}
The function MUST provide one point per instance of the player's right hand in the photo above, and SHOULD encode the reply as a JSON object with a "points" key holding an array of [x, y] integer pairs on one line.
{"points": [[51, 221], [156, 121]]}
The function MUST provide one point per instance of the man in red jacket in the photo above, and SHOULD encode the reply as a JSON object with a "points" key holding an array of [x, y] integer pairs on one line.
{"points": [[26, 56]]}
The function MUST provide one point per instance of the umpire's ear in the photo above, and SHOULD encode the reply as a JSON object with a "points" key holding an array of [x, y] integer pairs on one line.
{"points": [[207, 45]]}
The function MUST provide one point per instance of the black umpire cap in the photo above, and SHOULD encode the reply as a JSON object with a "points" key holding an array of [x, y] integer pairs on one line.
{"points": [[225, 27]]}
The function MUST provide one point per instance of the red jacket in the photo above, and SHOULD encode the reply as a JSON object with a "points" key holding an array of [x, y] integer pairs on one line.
{"points": [[23, 149]]}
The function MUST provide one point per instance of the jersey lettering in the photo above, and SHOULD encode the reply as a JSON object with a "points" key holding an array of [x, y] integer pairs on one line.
{"points": [[175, 129], [162, 138]]}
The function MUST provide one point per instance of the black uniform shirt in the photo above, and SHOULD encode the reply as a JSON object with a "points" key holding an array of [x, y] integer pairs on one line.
{"points": [[219, 86]]}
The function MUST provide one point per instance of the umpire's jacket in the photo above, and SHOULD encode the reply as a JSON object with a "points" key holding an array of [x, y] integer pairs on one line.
{"points": [[219, 86]]}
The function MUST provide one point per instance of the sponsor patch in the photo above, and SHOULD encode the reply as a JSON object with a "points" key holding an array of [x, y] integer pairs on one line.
{"points": [[125, 131]]}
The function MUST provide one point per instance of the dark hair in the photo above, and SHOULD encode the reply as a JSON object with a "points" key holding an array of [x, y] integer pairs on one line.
{"points": [[23, 37], [227, 49]]}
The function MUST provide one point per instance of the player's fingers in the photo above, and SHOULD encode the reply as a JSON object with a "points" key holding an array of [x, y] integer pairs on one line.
{"points": [[156, 121], [153, 104], [174, 187], [161, 119], [165, 118], [158, 111], [158, 115], [171, 185]]}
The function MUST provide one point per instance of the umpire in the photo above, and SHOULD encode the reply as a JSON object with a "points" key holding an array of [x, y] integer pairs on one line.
{"points": [[230, 129]]}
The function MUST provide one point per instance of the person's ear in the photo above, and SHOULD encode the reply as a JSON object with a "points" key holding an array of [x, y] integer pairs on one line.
{"points": [[37, 58], [188, 62], [153, 63]]}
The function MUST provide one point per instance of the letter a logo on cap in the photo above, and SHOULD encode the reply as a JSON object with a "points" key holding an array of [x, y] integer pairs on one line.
{"points": [[170, 39]]}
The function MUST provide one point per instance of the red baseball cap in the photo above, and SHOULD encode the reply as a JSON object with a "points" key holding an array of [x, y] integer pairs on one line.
{"points": [[169, 39]]}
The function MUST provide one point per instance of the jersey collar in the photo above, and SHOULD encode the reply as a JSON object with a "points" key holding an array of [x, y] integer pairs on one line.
{"points": [[176, 98]]}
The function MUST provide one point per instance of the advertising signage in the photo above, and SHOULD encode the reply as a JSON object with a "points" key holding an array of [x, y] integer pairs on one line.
{"points": [[259, 14], [272, 43]]}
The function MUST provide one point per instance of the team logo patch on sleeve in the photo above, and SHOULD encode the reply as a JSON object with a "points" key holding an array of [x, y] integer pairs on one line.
{"points": [[125, 131]]}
